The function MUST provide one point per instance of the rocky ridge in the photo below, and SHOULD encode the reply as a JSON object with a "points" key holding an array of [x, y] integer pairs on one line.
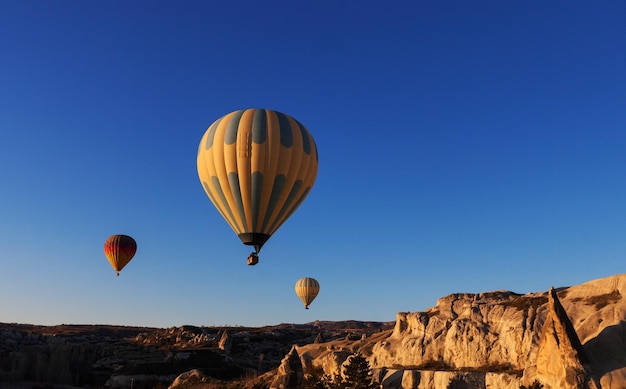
{"points": [[116, 357], [567, 338]]}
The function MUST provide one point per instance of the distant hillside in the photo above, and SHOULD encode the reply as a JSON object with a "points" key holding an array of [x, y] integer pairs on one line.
{"points": [[105, 355]]}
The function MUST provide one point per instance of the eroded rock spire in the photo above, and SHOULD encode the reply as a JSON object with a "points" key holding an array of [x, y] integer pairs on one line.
{"points": [[561, 359]]}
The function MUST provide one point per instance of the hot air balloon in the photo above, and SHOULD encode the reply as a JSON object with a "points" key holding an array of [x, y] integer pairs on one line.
{"points": [[257, 166], [307, 289], [119, 250]]}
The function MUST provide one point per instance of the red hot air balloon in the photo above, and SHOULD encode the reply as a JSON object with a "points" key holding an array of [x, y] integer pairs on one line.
{"points": [[119, 250]]}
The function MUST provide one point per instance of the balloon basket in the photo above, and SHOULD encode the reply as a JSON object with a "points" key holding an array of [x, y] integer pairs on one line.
{"points": [[253, 259]]}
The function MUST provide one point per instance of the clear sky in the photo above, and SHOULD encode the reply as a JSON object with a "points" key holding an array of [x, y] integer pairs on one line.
{"points": [[463, 147]]}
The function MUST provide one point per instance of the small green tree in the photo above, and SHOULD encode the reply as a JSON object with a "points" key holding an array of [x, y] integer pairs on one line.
{"points": [[357, 374]]}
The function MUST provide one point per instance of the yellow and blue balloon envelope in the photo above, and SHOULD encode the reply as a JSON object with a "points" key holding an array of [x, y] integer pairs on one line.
{"points": [[257, 166]]}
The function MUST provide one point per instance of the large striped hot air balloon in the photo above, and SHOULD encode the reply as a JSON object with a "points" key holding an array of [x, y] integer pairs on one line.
{"points": [[119, 250], [256, 166], [307, 289]]}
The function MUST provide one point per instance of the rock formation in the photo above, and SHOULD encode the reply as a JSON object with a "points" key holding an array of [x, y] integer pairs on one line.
{"points": [[562, 362], [97, 355], [225, 343], [290, 373], [501, 338], [191, 379], [475, 331]]}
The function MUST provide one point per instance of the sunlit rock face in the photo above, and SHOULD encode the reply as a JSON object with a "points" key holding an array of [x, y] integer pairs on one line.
{"points": [[290, 374], [561, 359], [506, 338], [466, 331], [189, 379]]}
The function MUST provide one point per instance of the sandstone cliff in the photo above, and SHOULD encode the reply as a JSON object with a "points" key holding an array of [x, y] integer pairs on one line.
{"points": [[290, 373], [561, 359], [494, 339]]}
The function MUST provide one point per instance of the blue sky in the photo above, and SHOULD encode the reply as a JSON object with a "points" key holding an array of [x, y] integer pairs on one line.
{"points": [[463, 147]]}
